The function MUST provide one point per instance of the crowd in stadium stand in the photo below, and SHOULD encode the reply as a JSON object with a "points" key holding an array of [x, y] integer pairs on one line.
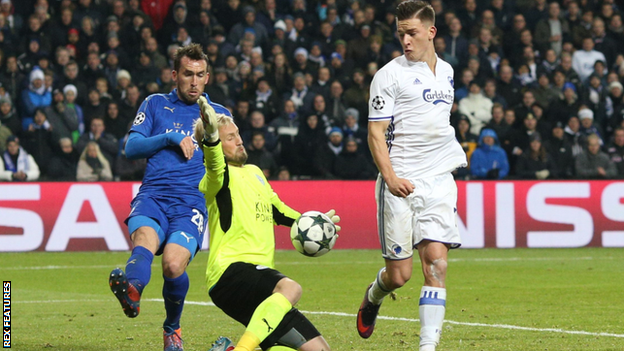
{"points": [[538, 85]]}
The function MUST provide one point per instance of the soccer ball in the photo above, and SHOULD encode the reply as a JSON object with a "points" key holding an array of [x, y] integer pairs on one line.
{"points": [[313, 234]]}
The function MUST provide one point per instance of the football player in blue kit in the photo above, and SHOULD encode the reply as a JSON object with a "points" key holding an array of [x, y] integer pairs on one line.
{"points": [[168, 214]]}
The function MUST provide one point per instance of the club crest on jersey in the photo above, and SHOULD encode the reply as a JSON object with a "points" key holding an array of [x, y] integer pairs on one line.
{"points": [[450, 79], [177, 125], [437, 96], [378, 102], [140, 118]]}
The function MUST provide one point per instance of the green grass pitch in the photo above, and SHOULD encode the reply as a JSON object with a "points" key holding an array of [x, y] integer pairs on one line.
{"points": [[513, 299]]}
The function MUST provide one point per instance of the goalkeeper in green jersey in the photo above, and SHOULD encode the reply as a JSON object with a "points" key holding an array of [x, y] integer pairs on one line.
{"points": [[241, 279]]}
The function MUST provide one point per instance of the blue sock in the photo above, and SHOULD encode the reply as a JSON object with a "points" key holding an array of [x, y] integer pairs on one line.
{"points": [[139, 267], [174, 292]]}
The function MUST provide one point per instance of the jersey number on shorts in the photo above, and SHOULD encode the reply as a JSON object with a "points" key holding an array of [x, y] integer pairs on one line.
{"points": [[198, 220]]}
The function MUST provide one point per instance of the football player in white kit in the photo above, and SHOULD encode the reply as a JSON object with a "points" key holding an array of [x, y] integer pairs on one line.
{"points": [[414, 147]]}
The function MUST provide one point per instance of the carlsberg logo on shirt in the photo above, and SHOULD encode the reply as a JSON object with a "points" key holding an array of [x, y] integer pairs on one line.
{"points": [[438, 96]]}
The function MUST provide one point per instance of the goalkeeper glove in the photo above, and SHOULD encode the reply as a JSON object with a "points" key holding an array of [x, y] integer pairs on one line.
{"points": [[334, 218], [209, 119]]}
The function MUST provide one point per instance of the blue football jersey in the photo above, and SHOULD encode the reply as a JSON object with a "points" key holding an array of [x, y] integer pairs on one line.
{"points": [[168, 172]]}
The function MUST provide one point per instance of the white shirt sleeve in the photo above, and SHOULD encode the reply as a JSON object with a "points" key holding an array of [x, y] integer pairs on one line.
{"points": [[382, 96]]}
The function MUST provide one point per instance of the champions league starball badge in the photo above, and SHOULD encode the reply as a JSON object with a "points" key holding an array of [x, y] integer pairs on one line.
{"points": [[378, 102]]}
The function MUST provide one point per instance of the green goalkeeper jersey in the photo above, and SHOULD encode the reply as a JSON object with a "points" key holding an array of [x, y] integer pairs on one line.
{"points": [[242, 210]]}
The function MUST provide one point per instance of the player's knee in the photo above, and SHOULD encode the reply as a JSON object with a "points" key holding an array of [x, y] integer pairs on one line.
{"points": [[397, 281], [173, 268], [290, 289]]}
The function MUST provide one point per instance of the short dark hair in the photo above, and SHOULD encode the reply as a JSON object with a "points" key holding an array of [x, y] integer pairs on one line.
{"points": [[415, 9], [192, 51]]}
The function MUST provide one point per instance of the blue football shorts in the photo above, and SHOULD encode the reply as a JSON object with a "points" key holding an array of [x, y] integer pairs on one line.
{"points": [[177, 221]]}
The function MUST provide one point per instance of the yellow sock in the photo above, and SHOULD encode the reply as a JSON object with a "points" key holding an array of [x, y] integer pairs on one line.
{"points": [[263, 322]]}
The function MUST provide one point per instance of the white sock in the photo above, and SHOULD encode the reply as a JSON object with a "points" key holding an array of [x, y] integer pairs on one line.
{"points": [[432, 308], [427, 348], [379, 290]]}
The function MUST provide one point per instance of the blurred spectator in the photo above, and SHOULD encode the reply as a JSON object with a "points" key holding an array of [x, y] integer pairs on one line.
{"points": [[336, 105], [5, 133], [309, 137], [489, 160], [107, 144], [64, 120], [350, 164], [596, 97], [467, 76], [64, 163], [71, 77], [476, 107], [93, 69], [279, 74], [550, 31], [126, 169], [9, 117], [603, 42], [566, 106], [94, 107], [535, 162], [560, 149], [356, 96], [260, 156], [583, 60], [238, 30], [352, 129], [28, 59], [145, 72], [14, 20], [574, 136], [544, 93], [468, 142], [170, 28], [38, 142], [320, 110], [593, 163], [158, 59], [266, 100], [588, 126], [166, 83], [328, 152], [157, 10], [456, 42], [70, 92], [34, 96], [489, 91], [616, 150], [92, 165], [566, 67], [497, 123], [286, 128], [129, 105], [114, 123], [11, 77], [16, 164], [258, 125], [300, 95]]}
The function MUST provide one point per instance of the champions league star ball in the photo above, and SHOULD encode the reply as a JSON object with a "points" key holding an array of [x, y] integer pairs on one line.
{"points": [[313, 234]]}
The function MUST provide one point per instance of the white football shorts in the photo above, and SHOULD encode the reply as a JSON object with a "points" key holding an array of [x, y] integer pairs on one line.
{"points": [[429, 213]]}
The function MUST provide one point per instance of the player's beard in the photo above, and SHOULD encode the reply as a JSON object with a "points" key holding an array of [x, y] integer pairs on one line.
{"points": [[239, 159]]}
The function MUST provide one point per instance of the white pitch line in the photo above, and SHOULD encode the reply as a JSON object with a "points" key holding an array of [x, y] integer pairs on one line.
{"points": [[315, 262], [400, 319]]}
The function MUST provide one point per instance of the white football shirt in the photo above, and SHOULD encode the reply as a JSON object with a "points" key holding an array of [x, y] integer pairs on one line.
{"points": [[420, 139]]}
